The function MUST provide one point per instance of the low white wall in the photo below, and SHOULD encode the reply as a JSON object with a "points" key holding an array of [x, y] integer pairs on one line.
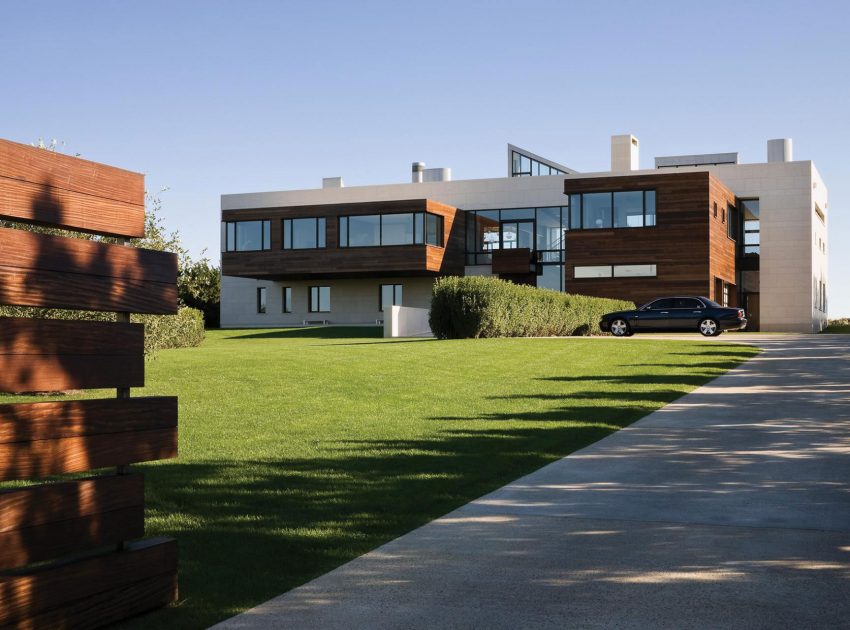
{"points": [[406, 321]]}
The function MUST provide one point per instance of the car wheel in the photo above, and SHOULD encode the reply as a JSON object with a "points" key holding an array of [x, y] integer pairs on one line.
{"points": [[709, 328], [620, 328]]}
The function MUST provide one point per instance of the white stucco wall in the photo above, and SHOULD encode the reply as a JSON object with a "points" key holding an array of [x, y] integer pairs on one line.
{"points": [[352, 301]]}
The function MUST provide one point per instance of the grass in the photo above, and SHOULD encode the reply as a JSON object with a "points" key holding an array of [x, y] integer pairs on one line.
{"points": [[302, 449]]}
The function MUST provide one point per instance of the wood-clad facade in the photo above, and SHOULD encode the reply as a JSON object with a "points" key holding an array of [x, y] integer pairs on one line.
{"points": [[333, 261], [689, 247]]}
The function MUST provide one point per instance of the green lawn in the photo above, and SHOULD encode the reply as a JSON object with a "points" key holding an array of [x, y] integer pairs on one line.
{"points": [[300, 450], [837, 329]]}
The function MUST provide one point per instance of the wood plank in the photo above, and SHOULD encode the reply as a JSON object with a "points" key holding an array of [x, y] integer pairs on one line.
{"points": [[56, 355], [25, 422], [56, 272], [41, 458], [109, 606], [39, 186], [25, 595], [48, 521], [31, 251]]}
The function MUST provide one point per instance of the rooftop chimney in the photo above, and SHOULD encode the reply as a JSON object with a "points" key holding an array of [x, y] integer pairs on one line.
{"points": [[332, 182], [417, 169], [625, 151], [780, 150]]}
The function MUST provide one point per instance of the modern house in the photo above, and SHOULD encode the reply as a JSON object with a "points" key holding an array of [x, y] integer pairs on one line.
{"points": [[749, 235]]}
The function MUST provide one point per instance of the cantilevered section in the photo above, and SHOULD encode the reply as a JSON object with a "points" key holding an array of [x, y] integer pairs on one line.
{"points": [[522, 163]]}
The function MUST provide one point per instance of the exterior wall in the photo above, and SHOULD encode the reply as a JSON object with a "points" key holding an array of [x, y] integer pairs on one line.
{"points": [[334, 261], [789, 260], [353, 301], [722, 249], [683, 244]]}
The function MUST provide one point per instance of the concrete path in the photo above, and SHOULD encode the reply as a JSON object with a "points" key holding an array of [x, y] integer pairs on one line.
{"points": [[729, 508]]}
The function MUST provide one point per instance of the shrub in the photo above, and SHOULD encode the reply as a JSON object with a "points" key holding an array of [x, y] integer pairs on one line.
{"points": [[183, 330], [477, 306]]}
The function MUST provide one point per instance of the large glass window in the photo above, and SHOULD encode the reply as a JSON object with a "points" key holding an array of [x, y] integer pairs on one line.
{"points": [[628, 209], [308, 233], [248, 236], [551, 278], [320, 299], [373, 230], [596, 210], [389, 295], [539, 229], [549, 231], [397, 229]]}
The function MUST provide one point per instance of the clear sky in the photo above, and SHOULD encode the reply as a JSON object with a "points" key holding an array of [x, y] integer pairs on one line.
{"points": [[223, 97]]}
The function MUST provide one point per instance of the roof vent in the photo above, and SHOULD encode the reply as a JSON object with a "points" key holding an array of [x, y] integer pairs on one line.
{"points": [[332, 182], [417, 170], [625, 153]]}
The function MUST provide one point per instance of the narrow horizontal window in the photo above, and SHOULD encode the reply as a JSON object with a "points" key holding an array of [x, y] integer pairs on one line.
{"points": [[634, 271], [593, 271]]}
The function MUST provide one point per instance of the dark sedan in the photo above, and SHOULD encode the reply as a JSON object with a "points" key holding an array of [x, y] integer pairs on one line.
{"points": [[675, 314]]}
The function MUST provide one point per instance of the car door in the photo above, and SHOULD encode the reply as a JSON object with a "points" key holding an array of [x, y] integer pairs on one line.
{"points": [[686, 313], [654, 316]]}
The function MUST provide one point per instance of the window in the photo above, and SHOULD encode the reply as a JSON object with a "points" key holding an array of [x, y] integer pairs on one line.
{"points": [[525, 166], [551, 278], [248, 236], [690, 303], [261, 300], [539, 229], [732, 223], [634, 271], [286, 299], [389, 295], [595, 271], [660, 305], [725, 294], [320, 300], [596, 211], [626, 209], [433, 229], [374, 230], [715, 209], [306, 233], [752, 227]]}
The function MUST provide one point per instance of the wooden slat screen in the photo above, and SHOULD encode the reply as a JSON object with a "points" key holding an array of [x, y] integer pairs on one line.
{"points": [[38, 186], [66, 556]]}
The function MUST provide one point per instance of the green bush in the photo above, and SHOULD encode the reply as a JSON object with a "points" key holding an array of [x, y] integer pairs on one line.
{"points": [[476, 306], [183, 330]]}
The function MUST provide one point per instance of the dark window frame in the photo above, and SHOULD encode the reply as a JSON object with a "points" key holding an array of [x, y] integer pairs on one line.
{"points": [[398, 294], [321, 228], [534, 166], [265, 235], [484, 257], [344, 231], [286, 300], [580, 216], [262, 300], [316, 306]]}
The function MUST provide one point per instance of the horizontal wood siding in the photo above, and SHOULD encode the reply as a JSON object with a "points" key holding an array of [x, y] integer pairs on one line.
{"points": [[56, 355], [28, 422], [65, 594], [347, 262], [47, 521], [512, 261], [48, 188], [678, 245], [721, 246], [56, 272]]}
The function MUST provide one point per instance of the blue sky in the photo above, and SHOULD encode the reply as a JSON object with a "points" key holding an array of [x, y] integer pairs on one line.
{"points": [[220, 97]]}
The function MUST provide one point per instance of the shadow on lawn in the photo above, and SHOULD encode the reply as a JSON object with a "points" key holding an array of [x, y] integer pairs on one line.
{"points": [[251, 529], [320, 332]]}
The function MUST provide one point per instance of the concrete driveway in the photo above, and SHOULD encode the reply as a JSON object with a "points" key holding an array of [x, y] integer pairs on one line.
{"points": [[728, 508]]}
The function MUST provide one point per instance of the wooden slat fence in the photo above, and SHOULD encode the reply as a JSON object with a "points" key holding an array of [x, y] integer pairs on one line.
{"points": [[70, 550]]}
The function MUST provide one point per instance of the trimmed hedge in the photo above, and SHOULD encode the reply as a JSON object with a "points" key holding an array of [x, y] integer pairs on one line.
{"points": [[183, 330], [478, 306]]}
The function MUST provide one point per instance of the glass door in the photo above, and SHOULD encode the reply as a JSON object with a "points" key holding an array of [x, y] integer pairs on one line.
{"points": [[518, 234]]}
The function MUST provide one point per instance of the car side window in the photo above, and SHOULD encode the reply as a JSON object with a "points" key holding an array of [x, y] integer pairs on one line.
{"points": [[689, 303], [661, 305]]}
